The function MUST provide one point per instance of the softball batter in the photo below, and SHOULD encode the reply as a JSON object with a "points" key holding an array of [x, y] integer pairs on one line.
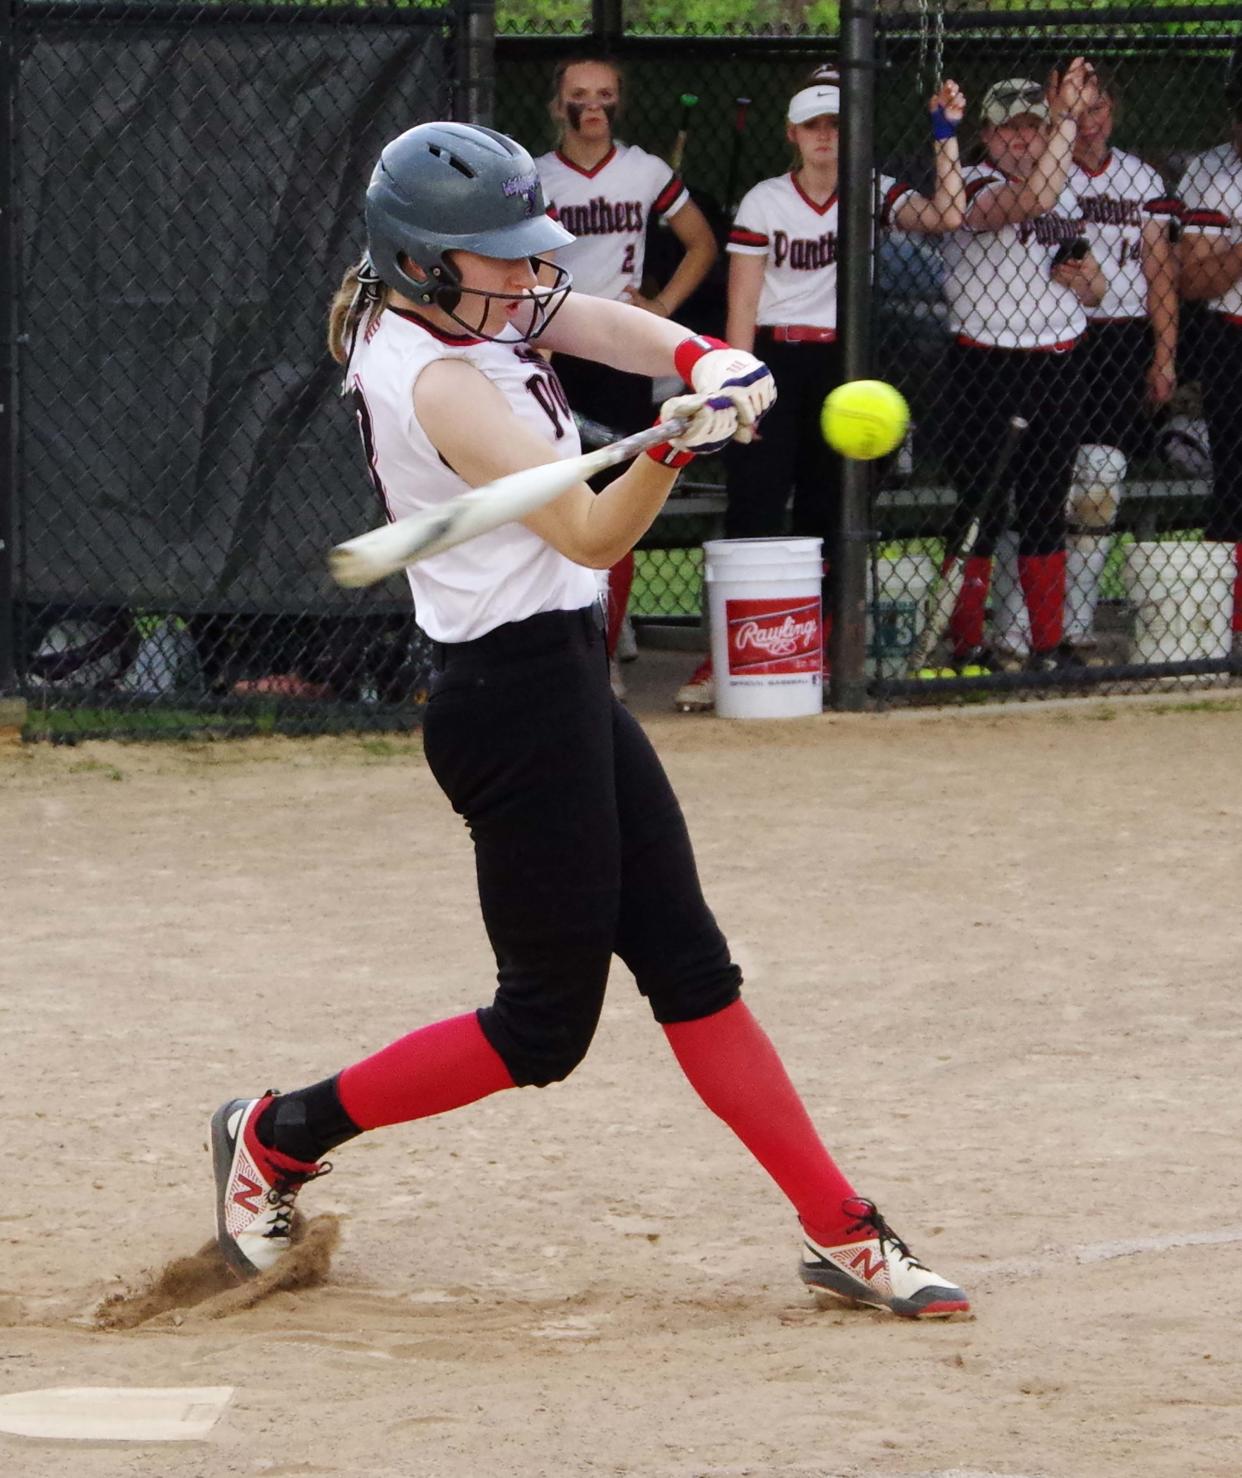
{"points": [[581, 850], [604, 193], [782, 297]]}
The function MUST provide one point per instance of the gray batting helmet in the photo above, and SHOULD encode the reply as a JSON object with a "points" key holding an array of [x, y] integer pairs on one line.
{"points": [[444, 187]]}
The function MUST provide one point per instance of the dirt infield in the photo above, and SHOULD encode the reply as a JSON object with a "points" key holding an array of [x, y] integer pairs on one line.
{"points": [[999, 951]]}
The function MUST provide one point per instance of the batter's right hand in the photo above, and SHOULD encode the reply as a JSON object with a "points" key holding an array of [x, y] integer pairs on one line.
{"points": [[742, 376]]}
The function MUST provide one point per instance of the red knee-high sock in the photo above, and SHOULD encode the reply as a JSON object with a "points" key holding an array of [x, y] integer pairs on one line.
{"points": [[736, 1071], [620, 579], [1237, 592], [438, 1068], [1043, 583], [966, 623]]}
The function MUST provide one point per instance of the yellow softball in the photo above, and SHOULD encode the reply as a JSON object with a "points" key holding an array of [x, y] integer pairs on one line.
{"points": [[864, 419]]}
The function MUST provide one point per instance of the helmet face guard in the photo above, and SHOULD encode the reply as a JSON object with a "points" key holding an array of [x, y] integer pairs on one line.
{"points": [[445, 187], [539, 305]]}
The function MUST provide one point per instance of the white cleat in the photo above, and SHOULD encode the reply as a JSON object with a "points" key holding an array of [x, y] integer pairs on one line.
{"points": [[627, 642], [876, 1270], [255, 1189], [699, 694]]}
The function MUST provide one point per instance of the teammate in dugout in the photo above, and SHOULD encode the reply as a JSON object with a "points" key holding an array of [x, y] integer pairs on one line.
{"points": [[1211, 273], [1127, 359], [1018, 284], [782, 303], [581, 850], [604, 193]]}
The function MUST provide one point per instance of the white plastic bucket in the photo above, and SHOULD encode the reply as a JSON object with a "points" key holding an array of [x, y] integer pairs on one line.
{"points": [[1182, 597], [896, 612], [766, 624]]}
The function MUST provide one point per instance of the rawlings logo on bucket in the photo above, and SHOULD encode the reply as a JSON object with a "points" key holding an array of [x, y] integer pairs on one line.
{"points": [[771, 636]]}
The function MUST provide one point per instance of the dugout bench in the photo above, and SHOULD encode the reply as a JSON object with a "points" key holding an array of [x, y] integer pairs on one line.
{"points": [[1153, 504], [1150, 506]]}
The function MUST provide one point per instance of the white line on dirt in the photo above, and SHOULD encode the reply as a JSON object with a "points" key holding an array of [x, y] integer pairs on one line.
{"points": [[1050, 1257]]}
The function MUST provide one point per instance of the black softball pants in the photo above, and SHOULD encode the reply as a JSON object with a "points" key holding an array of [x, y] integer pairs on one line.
{"points": [[1222, 399], [986, 388], [581, 849], [790, 454], [1113, 359]]}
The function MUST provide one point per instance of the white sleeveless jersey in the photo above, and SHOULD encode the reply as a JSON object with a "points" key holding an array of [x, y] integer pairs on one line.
{"points": [[501, 576], [1211, 192], [1115, 202], [997, 284], [777, 220], [606, 209]]}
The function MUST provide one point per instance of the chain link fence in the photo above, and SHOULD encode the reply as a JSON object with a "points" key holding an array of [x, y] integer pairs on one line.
{"points": [[1097, 548], [183, 460], [185, 193]]}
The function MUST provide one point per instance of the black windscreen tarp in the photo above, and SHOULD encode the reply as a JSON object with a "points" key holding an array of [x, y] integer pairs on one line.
{"points": [[189, 198]]}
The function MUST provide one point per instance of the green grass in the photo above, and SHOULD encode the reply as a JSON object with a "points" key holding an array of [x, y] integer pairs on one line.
{"points": [[73, 723], [66, 725]]}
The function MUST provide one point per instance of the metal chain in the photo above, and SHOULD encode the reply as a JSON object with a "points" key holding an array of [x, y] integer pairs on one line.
{"points": [[938, 47], [931, 37], [923, 37]]}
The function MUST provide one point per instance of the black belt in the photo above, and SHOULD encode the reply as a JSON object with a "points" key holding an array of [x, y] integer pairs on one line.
{"points": [[540, 633]]}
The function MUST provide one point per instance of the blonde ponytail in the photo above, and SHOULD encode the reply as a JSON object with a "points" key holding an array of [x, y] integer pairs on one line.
{"points": [[359, 296]]}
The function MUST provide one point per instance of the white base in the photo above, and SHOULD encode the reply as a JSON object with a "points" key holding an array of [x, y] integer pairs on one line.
{"points": [[115, 1413]]}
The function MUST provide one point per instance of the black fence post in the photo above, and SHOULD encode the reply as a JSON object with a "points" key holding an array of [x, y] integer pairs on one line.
{"points": [[854, 290], [8, 347], [608, 23], [475, 100]]}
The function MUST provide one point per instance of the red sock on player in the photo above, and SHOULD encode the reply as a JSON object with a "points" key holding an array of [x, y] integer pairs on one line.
{"points": [[431, 1071], [1237, 591], [1043, 584], [966, 623], [736, 1071]]}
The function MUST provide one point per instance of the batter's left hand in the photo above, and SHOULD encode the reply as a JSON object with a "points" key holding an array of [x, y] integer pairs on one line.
{"points": [[713, 422], [746, 379]]}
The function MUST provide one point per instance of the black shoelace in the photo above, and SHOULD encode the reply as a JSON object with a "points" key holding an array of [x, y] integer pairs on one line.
{"points": [[284, 1193], [877, 1224]]}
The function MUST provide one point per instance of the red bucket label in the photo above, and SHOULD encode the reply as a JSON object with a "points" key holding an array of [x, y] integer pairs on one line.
{"points": [[772, 636]]}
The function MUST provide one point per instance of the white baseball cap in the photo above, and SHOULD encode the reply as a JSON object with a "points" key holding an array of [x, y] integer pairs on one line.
{"points": [[814, 102], [1014, 98]]}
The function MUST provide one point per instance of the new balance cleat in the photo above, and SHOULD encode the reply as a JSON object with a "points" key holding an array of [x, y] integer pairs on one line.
{"points": [[255, 1189], [875, 1269]]}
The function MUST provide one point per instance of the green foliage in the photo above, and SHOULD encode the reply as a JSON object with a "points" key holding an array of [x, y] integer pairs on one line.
{"points": [[781, 17]]}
